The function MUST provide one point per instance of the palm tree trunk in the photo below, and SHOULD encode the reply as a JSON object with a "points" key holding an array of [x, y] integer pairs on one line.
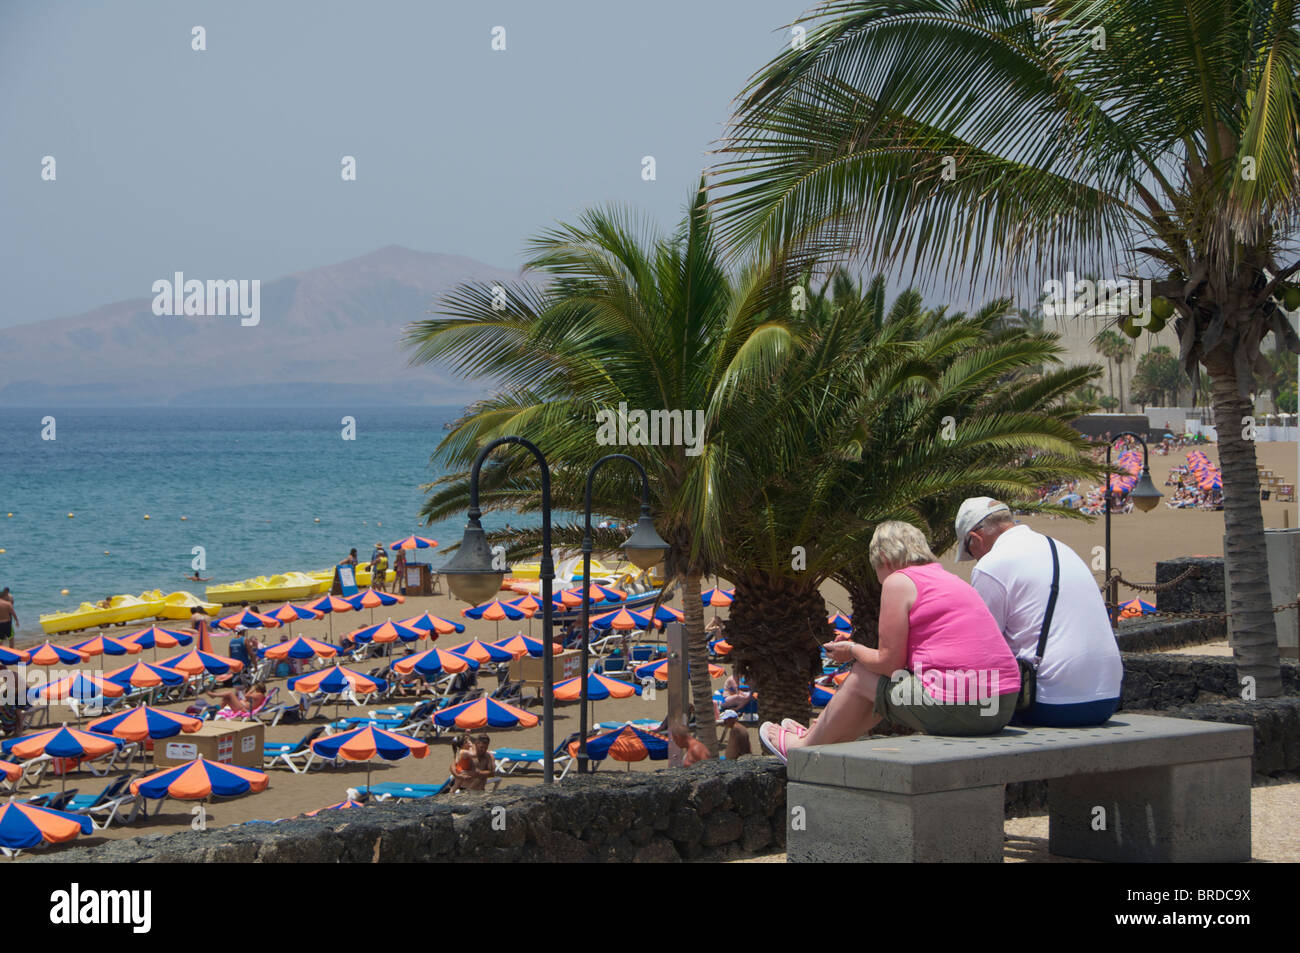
{"points": [[1254, 634], [697, 655], [1119, 373], [776, 646], [864, 597]]}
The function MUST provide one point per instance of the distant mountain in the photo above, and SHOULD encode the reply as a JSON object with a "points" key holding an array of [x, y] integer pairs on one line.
{"points": [[328, 335]]}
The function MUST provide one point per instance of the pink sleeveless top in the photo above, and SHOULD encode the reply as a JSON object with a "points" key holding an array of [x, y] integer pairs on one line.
{"points": [[953, 644]]}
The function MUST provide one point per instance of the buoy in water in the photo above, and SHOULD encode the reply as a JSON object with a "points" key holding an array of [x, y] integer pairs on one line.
{"points": [[63, 592], [1, 550], [318, 519], [146, 515], [106, 552], [183, 518], [69, 516]]}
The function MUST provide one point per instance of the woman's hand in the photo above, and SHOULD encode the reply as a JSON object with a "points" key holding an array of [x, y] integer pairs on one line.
{"points": [[841, 650]]}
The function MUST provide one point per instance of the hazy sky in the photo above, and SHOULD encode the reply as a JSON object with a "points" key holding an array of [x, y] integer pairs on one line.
{"points": [[226, 162]]}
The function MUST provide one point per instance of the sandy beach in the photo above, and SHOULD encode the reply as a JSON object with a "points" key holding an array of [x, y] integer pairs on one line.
{"points": [[1139, 540]]}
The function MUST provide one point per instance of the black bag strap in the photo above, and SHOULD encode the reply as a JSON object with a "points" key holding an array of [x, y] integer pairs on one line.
{"points": [[1051, 599]]}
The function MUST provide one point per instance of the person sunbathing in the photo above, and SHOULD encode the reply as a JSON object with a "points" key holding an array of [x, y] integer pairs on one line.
{"points": [[236, 700], [732, 697]]}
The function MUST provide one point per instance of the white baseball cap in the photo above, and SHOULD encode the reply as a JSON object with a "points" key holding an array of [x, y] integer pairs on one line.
{"points": [[729, 714], [974, 511]]}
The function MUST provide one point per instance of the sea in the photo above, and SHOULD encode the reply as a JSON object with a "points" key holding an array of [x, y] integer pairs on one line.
{"points": [[252, 491]]}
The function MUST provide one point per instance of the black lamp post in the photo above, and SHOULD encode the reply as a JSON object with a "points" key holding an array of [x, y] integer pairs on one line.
{"points": [[472, 577], [1144, 495], [644, 548]]}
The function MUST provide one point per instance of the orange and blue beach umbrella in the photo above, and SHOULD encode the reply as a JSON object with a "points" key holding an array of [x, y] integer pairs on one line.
{"points": [[289, 613], [197, 663], [300, 648], [143, 722], [434, 625], [414, 542], [26, 825], [368, 743], [669, 614], [199, 779], [339, 806], [433, 663], [659, 670], [12, 656], [718, 597], [598, 593], [840, 622], [820, 695], [335, 681], [484, 713], [482, 652], [156, 637], [520, 645], [496, 610], [80, 686], [1135, 607], [145, 675], [599, 687], [328, 603], [249, 620], [51, 654], [64, 742], [720, 647], [624, 620], [388, 632], [106, 645], [12, 772], [370, 598], [628, 743]]}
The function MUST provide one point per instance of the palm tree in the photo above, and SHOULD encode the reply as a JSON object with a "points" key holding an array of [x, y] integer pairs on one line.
{"points": [[628, 317], [1150, 138], [1104, 344], [874, 414], [1117, 349]]}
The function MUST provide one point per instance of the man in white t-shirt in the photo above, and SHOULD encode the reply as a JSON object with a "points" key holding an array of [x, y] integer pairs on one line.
{"points": [[1080, 673]]}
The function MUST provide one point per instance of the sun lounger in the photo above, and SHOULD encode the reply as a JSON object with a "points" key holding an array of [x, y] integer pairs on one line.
{"points": [[513, 760], [401, 791], [102, 808], [296, 756]]}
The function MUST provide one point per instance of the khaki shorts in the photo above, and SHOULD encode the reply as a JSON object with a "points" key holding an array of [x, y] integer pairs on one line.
{"points": [[906, 702]]}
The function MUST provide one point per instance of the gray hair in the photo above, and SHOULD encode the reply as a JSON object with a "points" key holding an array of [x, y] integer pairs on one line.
{"points": [[898, 544]]}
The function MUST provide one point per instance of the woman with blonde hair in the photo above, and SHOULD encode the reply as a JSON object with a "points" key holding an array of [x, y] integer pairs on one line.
{"points": [[942, 668]]}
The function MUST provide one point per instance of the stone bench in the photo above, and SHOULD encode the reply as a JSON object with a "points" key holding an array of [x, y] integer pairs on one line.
{"points": [[1139, 788]]}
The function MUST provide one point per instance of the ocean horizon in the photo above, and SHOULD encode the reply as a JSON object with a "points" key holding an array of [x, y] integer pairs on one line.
{"points": [[261, 490]]}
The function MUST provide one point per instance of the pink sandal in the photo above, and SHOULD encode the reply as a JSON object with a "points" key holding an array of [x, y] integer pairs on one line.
{"points": [[773, 738], [792, 726]]}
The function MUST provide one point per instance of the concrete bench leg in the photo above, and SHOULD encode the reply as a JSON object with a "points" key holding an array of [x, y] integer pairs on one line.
{"points": [[833, 824], [1197, 812]]}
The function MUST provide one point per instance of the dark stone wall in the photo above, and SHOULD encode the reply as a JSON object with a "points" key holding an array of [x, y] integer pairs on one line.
{"points": [[1202, 592], [1155, 633], [715, 810]]}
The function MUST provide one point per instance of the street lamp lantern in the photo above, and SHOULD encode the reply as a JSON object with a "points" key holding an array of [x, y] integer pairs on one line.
{"points": [[471, 575], [1145, 496], [645, 548]]}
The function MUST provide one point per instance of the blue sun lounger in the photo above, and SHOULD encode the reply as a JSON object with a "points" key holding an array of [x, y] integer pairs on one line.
{"points": [[402, 791]]}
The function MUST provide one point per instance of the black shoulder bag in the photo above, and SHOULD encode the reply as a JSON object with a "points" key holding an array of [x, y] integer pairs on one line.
{"points": [[1029, 670]]}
